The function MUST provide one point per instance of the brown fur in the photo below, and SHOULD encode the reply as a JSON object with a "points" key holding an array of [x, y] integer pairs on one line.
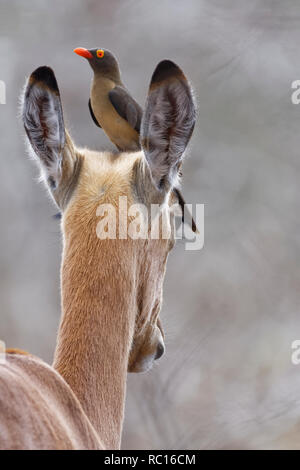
{"points": [[111, 288], [111, 297], [39, 410]]}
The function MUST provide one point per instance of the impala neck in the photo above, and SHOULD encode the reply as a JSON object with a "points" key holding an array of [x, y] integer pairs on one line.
{"points": [[96, 331]]}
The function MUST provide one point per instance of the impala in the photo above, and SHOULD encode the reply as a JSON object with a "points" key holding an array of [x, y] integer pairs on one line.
{"points": [[111, 288]]}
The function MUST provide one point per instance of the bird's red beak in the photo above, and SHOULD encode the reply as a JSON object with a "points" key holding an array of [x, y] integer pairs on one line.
{"points": [[83, 52]]}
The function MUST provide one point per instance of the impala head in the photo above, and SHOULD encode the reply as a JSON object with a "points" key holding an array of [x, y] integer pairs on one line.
{"points": [[124, 273]]}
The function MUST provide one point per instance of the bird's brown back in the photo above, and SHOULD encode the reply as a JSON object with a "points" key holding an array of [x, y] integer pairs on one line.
{"points": [[116, 128]]}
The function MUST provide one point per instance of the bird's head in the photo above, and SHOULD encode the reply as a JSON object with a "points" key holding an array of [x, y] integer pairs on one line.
{"points": [[102, 61]]}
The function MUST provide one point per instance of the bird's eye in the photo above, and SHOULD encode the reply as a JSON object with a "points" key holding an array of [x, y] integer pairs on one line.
{"points": [[100, 53]]}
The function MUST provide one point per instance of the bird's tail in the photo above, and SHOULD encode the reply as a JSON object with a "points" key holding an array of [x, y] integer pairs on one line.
{"points": [[181, 202]]}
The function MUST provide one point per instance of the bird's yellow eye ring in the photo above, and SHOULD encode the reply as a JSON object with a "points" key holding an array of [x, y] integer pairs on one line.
{"points": [[100, 53]]}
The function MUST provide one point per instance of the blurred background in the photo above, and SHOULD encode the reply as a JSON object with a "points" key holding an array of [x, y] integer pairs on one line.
{"points": [[232, 310]]}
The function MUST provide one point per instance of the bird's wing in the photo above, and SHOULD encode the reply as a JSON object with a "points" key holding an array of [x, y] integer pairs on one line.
{"points": [[126, 107], [93, 115]]}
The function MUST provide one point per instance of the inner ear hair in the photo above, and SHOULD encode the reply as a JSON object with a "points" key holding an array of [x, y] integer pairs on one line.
{"points": [[43, 122], [167, 123]]}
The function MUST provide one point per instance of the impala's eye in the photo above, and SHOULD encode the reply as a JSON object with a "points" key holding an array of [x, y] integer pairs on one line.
{"points": [[100, 53]]}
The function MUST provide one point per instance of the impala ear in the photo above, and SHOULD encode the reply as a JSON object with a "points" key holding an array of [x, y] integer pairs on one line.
{"points": [[168, 123], [43, 122]]}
